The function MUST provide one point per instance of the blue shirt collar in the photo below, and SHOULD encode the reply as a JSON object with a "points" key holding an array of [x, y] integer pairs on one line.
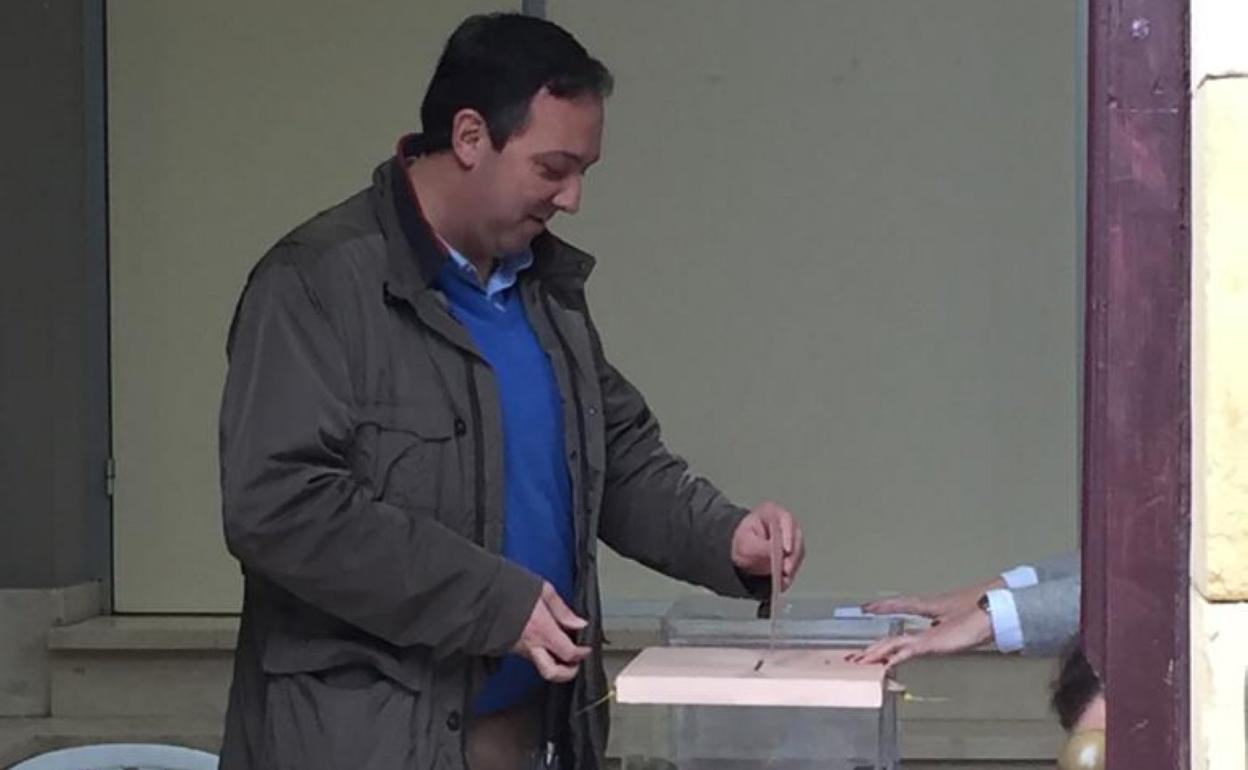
{"points": [[506, 271]]}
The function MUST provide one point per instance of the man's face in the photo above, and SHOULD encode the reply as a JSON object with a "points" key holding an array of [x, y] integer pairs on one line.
{"points": [[539, 172]]}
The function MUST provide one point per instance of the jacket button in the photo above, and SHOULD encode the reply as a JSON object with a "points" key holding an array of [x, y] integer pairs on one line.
{"points": [[460, 427], [452, 721]]}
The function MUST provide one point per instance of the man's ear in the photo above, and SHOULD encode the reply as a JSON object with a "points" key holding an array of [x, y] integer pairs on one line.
{"points": [[470, 137]]}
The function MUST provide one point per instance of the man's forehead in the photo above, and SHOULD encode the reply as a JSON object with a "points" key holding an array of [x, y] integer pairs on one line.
{"points": [[562, 129], [568, 155], [584, 109]]}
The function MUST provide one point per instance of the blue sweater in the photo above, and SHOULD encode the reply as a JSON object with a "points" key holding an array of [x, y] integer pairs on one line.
{"points": [[538, 532]]}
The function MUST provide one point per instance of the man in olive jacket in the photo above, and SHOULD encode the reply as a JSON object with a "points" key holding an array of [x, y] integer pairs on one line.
{"points": [[422, 442]]}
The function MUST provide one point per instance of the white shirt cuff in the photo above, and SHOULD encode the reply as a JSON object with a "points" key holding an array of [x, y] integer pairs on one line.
{"points": [[1020, 577], [1006, 628]]}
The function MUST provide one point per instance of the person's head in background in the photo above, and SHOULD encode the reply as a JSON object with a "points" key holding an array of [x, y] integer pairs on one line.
{"points": [[1078, 697], [513, 116], [1079, 700]]}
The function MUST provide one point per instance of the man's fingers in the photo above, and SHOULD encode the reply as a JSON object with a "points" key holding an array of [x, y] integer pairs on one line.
{"points": [[542, 661], [786, 530], [561, 612], [549, 669], [793, 562], [778, 523], [552, 630], [564, 650], [545, 641]]}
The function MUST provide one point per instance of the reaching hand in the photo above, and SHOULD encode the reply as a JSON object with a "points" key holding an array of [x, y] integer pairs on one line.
{"points": [[934, 606], [546, 640], [751, 542], [954, 633]]}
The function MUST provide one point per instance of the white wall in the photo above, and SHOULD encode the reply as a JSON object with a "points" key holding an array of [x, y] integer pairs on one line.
{"points": [[838, 251], [837, 248]]}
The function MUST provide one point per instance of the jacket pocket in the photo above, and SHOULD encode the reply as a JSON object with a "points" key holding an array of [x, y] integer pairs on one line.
{"points": [[343, 718], [409, 456], [332, 657]]}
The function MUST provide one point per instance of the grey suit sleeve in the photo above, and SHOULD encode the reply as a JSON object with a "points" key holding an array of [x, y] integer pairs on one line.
{"points": [[1048, 613], [1058, 567]]}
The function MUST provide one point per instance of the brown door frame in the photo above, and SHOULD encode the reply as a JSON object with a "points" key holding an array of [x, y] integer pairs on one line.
{"points": [[1136, 487]]}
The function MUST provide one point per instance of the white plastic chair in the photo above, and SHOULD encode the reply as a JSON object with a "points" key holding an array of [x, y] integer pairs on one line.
{"points": [[121, 756]]}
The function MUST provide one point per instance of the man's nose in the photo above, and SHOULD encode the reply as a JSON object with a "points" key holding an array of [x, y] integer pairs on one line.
{"points": [[569, 198]]}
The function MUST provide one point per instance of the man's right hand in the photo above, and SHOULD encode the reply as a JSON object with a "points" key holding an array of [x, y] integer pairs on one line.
{"points": [[547, 638]]}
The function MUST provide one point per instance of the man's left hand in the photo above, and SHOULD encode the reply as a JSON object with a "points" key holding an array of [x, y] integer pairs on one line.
{"points": [[751, 543]]}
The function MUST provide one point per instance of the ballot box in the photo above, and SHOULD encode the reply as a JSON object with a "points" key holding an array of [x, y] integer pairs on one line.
{"points": [[737, 700]]}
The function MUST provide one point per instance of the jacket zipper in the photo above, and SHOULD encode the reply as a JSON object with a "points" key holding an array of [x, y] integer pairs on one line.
{"points": [[582, 547], [580, 427], [478, 486]]}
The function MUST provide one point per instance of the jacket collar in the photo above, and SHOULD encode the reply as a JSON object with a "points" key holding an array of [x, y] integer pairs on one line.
{"points": [[416, 256]]}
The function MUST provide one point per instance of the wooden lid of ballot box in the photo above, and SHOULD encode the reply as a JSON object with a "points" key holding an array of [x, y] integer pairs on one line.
{"points": [[730, 676]]}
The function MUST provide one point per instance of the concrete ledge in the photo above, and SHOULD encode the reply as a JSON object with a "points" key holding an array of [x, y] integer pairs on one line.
{"points": [[141, 683], [26, 616], [155, 632], [76, 603]]}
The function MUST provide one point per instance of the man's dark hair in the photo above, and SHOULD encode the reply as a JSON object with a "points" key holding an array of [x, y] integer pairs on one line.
{"points": [[495, 64], [1076, 687]]}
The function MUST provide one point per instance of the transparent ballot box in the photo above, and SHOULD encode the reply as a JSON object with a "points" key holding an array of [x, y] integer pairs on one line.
{"points": [[716, 621], [735, 701]]}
